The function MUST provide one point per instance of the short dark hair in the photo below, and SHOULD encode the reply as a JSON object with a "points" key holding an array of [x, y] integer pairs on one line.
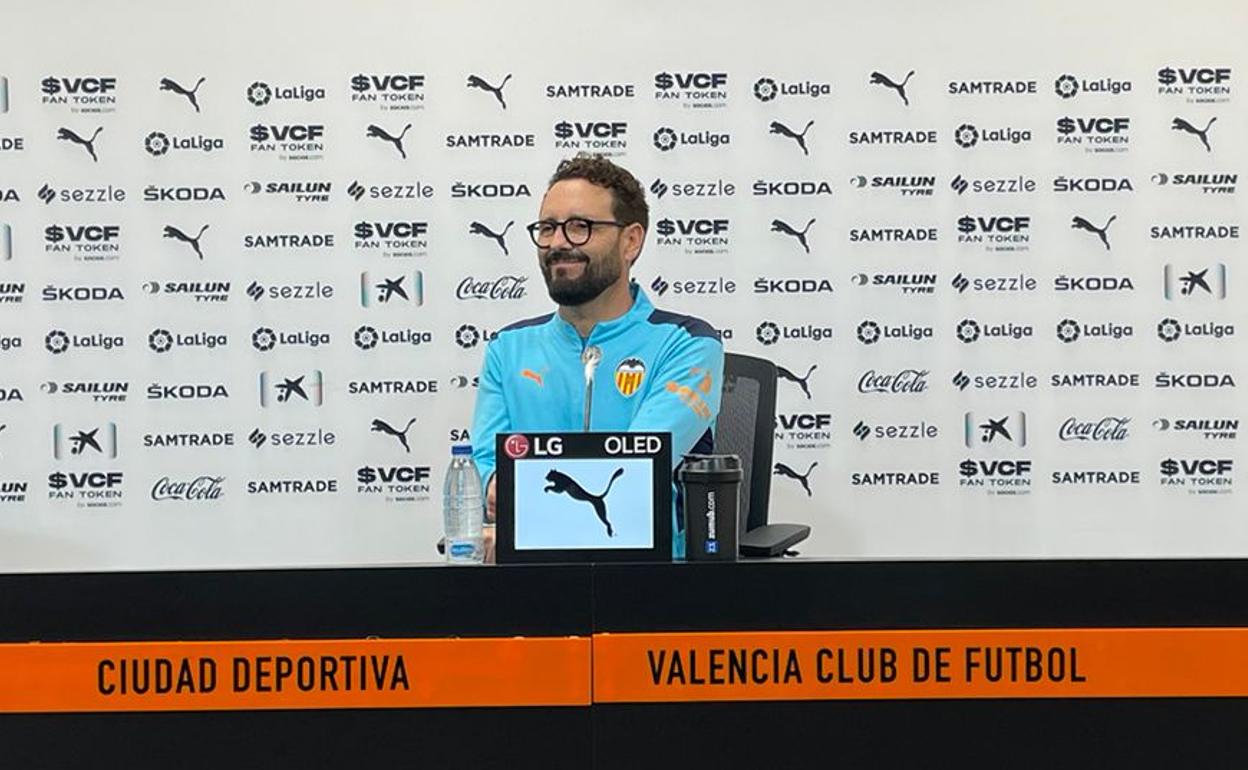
{"points": [[628, 199]]}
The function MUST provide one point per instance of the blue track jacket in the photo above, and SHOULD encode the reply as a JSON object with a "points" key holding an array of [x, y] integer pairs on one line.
{"points": [[660, 371]]}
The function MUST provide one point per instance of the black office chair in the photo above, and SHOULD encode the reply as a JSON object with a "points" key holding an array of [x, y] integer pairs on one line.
{"points": [[746, 428]]}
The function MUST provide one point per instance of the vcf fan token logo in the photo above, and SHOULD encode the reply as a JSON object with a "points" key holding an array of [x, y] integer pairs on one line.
{"points": [[516, 446]]}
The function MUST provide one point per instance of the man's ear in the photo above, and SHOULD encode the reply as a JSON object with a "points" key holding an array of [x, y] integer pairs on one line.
{"points": [[636, 239]]}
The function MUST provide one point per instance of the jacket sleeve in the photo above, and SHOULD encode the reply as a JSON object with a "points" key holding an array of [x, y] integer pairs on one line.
{"points": [[684, 393], [490, 414]]}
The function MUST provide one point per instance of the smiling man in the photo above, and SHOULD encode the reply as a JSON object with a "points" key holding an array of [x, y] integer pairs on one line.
{"points": [[664, 370]]}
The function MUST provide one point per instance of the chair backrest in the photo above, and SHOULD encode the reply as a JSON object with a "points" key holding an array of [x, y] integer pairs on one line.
{"points": [[746, 427]]}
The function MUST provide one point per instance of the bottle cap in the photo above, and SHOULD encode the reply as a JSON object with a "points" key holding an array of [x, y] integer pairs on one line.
{"points": [[461, 449]]}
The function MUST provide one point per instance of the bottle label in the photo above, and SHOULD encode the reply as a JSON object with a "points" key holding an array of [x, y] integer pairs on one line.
{"points": [[462, 549]]}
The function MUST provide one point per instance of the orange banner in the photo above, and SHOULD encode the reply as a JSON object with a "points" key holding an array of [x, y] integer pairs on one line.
{"points": [[294, 674], [825, 665]]}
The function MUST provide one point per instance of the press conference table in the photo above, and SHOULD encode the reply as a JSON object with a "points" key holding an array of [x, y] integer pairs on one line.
{"points": [[793, 663]]}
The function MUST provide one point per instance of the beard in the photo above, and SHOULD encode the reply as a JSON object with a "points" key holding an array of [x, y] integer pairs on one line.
{"points": [[596, 276]]}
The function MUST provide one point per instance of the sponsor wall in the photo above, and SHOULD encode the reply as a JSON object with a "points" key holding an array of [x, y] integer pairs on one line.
{"points": [[250, 257]]}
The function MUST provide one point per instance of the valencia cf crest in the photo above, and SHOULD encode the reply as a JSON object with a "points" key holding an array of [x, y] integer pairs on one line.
{"points": [[629, 376]]}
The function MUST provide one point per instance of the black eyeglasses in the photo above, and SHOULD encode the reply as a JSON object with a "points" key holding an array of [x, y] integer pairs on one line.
{"points": [[576, 231]]}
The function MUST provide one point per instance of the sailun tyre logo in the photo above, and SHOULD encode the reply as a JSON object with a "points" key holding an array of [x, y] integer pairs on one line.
{"points": [[767, 333], [263, 339], [1169, 329], [1067, 330], [966, 136], [157, 143], [366, 338], [56, 342], [665, 139], [259, 93], [160, 340], [968, 330], [868, 332], [1066, 86], [467, 336], [765, 89]]}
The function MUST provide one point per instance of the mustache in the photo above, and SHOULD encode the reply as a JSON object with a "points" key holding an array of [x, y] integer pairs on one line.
{"points": [[564, 254]]}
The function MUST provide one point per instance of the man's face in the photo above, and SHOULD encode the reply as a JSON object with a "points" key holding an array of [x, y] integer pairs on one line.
{"points": [[576, 274]]}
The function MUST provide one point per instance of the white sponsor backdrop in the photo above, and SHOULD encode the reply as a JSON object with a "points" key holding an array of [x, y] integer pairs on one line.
{"points": [[321, 45]]}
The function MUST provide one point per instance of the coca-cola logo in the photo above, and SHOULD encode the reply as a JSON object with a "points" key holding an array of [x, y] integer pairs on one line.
{"points": [[503, 287], [1104, 429], [200, 488], [904, 381]]}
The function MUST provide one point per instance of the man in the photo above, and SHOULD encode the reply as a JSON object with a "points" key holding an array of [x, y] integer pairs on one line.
{"points": [[664, 370]]}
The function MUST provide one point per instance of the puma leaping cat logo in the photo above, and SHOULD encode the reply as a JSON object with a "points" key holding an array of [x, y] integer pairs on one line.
{"points": [[178, 235], [1179, 124], [779, 128], [168, 84], [801, 381], [377, 132], [1079, 223], [561, 483], [381, 426], [783, 470], [476, 82], [880, 79], [780, 226], [476, 228], [88, 144]]}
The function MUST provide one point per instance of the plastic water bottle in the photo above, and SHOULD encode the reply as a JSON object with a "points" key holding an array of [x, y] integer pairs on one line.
{"points": [[462, 508]]}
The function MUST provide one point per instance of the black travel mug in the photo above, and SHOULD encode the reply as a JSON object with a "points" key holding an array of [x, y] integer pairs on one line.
{"points": [[711, 489]]}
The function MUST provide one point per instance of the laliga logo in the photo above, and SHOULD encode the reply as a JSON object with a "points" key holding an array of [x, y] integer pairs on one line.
{"points": [[516, 446], [1066, 86], [966, 135]]}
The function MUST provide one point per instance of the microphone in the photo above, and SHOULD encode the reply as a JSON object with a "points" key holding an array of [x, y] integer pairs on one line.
{"points": [[590, 357]]}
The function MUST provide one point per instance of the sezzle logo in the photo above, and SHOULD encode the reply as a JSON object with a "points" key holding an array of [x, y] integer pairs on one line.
{"points": [[880, 79], [804, 430], [769, 333], [1002, 381], [163, 340], [299, 192], [903, 431], [1199, 476], [1095, 134], [113, 392], [393, 292], [154, 194], [1068, 86], [289, 141], [1196, 281], [1092, 184], [607, 137], [994, 284], [980, 430], [999, 234], [1218, 430], [716, 189], [501, 288], [908, 283], [368, 337], [692, 90], [661, 286], [48, 194], [906, 186], [87, 243], [308, 388], [969, 330], [767, 89], [1106, 429], [261, 93], [59, 341], [696, 236], [159, 143], [667, 139], [397, 239], [967, 136], [265, 339], [84, 95], [1199, 85], [1170, 330], [994, 186], [315, 290], [213, 291], [1070, 330], [904, 381], [283, 439], [869, 332], [389, 92]]}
